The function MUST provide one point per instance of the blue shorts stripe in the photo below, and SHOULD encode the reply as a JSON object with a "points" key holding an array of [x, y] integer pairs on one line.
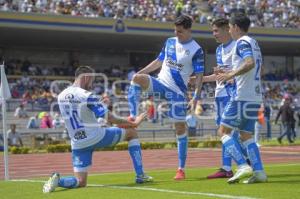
{"points": [[241, 115], [82, 158], [177, 103], [220, 104]]}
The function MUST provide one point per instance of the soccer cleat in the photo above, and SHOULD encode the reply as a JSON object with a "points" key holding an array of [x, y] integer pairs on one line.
{"points": [[221, 173], [248, 162], [257, 177], [180, 175], [242, 172], [140, 179], [51, 184]]}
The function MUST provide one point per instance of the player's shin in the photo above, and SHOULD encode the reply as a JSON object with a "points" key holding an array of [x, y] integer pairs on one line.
{"points": [[234, 149], [226, 159], [134, 93], [253, 154], [236, 136], [134, 149], [182, 147]]}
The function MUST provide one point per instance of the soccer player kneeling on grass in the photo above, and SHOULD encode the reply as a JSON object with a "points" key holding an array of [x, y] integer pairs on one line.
{"points": [[80, 110]]}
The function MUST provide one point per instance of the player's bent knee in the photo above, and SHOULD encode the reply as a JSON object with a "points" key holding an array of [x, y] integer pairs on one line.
{"points": [[82, 182], [245, 136], [142, 80], [223, 130], [180, 128], [130, 134]]}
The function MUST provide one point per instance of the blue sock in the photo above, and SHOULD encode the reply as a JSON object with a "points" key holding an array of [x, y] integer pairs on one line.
{"points": [[182, 145], [135, 152], [234, 149], [226, 159], [134, 93], [236, 136], [254, 155], [68, 182]]}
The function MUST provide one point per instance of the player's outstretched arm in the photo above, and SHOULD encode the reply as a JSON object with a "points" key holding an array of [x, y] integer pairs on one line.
{"points": [[123, 123], [197, 93], [207, 78], [154, 65], [246, 66]]}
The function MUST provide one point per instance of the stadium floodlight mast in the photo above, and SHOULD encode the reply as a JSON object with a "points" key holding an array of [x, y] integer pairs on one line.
{"points": [[5, 95]]}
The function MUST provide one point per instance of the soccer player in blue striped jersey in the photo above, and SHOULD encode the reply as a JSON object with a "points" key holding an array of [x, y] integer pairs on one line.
{"points": [[242, 109], [80, 110], [220, 30], [180, 57]]}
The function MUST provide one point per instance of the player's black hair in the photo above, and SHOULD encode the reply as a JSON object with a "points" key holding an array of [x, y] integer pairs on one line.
{"points": [[241, 20], [83, 69], [220, 22], [184, 20]]}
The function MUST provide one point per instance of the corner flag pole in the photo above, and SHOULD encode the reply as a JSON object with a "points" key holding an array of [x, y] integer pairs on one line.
{"points": [[5, 94]]}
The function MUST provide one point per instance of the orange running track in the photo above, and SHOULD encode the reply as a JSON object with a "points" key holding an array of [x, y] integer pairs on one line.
{"points": [[42, 165]]}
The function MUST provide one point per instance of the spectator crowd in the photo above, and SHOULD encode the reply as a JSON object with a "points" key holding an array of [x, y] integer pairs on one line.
{"points": [[263, 13]]}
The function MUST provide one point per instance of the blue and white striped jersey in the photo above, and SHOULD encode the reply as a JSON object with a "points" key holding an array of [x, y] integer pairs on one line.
{"points": [[180, 61], [248, 85], [80, 110], [224, 60]]}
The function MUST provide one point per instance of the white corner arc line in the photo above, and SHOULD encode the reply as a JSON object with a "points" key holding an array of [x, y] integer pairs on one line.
{"points": [[154, 190]]}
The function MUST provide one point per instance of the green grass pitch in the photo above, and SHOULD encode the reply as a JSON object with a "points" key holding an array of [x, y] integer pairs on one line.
{"points": [[283, 182]]}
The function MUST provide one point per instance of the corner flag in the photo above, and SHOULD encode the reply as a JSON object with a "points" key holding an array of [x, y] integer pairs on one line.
{"points": [[4, 88], [4, 95]]}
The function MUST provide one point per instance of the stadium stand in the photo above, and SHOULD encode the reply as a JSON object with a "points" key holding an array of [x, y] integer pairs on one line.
{"points": [[46, 55], [263, 13]]}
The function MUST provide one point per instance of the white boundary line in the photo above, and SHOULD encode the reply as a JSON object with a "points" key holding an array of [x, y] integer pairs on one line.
{"points": [[154, 190], [191, 168]]}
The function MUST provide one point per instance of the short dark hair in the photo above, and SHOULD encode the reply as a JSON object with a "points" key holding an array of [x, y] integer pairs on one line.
{"points": [[83, 69], [184, 20], [241, 20], [220, 22]]}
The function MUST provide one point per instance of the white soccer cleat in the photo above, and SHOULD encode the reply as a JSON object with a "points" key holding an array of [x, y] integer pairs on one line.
{"points": [[257, 177], [143, 179], [242, 172], [51, 184]]}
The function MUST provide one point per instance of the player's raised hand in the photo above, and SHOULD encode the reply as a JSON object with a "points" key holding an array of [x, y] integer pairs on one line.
{"points": [[218, 70], [223, 77]]}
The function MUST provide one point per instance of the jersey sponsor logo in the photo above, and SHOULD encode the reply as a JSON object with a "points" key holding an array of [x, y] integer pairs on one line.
{"points": [[172, 64], [80, 135]]}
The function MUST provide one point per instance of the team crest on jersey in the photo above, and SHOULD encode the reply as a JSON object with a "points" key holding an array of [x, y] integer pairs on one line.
{"points": [[257, 89], [187, 53], [183, 50], [69, 96]]}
